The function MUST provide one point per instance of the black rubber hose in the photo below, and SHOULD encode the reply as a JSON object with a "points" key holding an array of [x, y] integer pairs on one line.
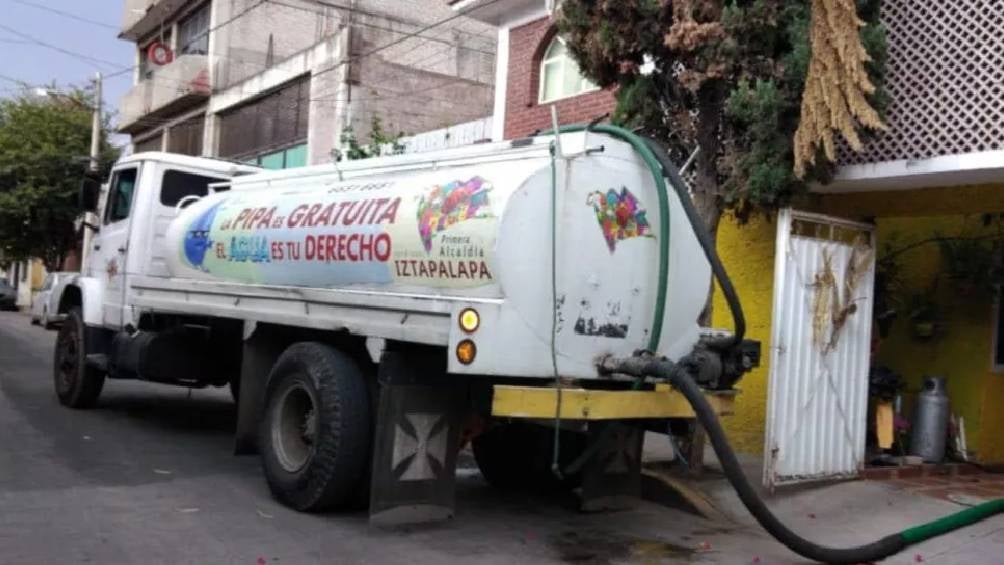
{"points": [[681, 380], [704, 238]]}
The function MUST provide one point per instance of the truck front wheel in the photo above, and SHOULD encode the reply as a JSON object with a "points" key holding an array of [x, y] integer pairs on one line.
{"points": [[77, 385], [316, 433]]}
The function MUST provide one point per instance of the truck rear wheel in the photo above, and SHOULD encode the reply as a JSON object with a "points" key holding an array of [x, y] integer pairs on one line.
{"points": [[519, 455], [316, 433], [77, 385]]}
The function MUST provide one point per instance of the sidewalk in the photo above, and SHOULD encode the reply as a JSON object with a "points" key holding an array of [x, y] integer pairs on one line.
{"points": [[849, 513]]}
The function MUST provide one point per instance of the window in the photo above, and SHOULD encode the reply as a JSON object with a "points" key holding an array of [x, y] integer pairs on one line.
{"points": [[186, 138], [146, 67], [559, 74], [295, 156], [270, 123], [193, 32], [148, 144], [177, 185], [120, 195]]}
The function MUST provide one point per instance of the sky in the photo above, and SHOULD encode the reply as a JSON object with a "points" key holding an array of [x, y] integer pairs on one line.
{"points": [[94, 46]]}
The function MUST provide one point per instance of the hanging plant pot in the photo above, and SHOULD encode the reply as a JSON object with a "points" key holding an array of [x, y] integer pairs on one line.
{"points": [[923, 330]]}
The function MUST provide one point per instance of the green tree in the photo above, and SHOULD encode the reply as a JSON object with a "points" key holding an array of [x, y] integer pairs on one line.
{"points": [[729, 78], [44, 146]]}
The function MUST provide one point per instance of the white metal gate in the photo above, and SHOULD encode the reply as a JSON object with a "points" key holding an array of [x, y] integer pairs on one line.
{"points": [[817, 394]]}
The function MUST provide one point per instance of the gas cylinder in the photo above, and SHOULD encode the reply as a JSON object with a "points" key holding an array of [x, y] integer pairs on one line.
{"points": [[930, 423]]}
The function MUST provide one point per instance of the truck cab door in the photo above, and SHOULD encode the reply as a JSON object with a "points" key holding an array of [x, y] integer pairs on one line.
{"points": [[109, 247]]}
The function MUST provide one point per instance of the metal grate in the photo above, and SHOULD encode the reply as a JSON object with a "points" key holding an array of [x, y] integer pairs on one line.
{"points": [[945, 77], [186, 137], [150, 144], [277, 119]]}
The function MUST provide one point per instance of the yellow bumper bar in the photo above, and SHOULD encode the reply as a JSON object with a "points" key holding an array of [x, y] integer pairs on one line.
{"points": [[580, 404]]}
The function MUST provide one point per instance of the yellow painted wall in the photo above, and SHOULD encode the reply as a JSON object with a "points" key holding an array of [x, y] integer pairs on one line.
{"points": [[964, 351], [38, 274], [748, 254]]}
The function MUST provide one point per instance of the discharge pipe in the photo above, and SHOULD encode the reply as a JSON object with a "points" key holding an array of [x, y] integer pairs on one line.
{"points": [[679, 375]]}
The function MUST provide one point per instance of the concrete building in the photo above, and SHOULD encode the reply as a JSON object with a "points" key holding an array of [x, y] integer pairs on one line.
{"points": [[276, 82], [934, 175]]}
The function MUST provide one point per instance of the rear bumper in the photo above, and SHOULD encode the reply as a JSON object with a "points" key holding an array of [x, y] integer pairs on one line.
{"points": [[581, 404]]}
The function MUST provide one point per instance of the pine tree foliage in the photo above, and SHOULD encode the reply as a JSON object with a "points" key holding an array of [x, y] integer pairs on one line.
{"points": [[728, 78]]}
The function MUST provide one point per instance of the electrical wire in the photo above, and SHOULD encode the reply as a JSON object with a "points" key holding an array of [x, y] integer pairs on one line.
{"points": [[66, 14], [354, 22], [68, 52], [388, 45]]}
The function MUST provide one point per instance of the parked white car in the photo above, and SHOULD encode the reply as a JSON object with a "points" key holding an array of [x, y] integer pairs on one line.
{"points": [[44, 306]]}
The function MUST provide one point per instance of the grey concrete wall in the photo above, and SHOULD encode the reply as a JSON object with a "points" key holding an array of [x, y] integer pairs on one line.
{"points": [[440, 77], [242, 47]]}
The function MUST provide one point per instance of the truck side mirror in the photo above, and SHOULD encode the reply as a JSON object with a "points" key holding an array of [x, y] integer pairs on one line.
{"points": [[90, 191]]}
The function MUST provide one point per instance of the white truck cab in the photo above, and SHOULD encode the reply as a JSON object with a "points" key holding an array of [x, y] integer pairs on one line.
{"points": [[136, 206]]}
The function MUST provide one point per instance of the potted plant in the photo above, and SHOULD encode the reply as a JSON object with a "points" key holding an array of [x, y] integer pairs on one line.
{"points": [[923, 317], [972, 264]]}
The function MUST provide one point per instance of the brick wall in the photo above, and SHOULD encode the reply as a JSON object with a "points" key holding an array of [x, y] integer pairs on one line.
{"points": [[523, 115]]}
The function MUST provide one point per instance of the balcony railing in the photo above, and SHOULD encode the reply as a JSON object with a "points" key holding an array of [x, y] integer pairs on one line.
{"points": [[169, 89]]}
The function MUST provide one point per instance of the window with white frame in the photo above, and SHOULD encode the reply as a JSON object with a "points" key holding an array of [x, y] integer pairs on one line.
{"points": [[560, 76], [193, 32]]}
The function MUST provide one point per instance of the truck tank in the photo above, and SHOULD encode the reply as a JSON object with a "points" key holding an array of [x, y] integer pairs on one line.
{"points": [[474, 227]]}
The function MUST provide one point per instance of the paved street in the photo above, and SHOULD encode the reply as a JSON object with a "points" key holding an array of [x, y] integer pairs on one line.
{"points": [[148, 477]]}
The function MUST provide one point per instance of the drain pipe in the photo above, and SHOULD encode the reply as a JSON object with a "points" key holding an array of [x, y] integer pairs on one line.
{"points": [[679, 375]]}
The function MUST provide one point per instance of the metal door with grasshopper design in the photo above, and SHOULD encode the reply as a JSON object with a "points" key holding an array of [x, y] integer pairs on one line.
{"points": [[817, 394]]}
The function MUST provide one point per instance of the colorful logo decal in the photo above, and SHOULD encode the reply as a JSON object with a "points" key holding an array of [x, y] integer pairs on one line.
{"points": [[197, 241], [452, 203], [620, 216]]}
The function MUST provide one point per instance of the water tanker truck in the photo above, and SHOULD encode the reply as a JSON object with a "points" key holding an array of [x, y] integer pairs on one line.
{"points": [[538, 299]]}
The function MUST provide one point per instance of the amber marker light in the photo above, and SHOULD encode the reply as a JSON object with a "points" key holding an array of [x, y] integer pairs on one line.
{"points": [[466, 351]]}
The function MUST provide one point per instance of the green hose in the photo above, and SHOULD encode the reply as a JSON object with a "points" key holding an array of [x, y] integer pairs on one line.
{"points": [[951, 522], [646, 154]]}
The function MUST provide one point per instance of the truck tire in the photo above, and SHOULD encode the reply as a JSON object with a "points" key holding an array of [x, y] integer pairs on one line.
{"points": [[77, 385], [316, 433], [234, 384], [518, 455]]}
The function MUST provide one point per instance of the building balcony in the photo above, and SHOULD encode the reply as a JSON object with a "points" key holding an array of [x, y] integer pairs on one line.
{"points": [[169, 89], [143, 17]]}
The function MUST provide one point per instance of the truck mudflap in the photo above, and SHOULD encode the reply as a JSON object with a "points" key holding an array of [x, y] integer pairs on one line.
{"points": [[419, 417]]}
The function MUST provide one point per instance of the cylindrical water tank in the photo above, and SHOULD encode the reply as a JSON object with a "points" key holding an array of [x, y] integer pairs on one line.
{"points": [[930, 423], [472, 227]]}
